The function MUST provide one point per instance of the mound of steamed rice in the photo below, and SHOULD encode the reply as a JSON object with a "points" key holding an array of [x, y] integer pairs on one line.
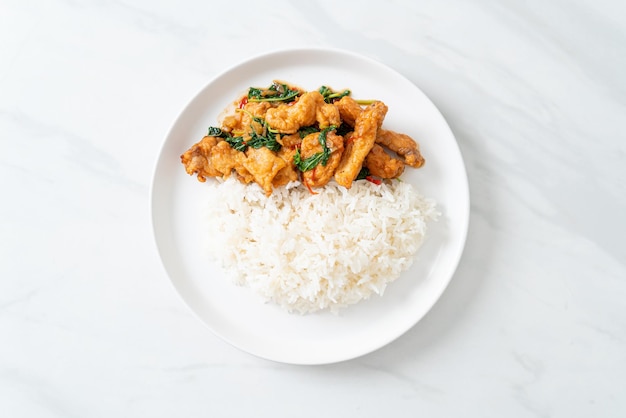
{"points": [[309, 252]]}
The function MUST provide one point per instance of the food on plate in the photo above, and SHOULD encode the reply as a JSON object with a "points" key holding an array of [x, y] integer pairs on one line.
{"points": [[306, 110], [403, 145], [360, 143], [380, 164], [346, 235], [282, 133], [311, 146], [307, 253]]}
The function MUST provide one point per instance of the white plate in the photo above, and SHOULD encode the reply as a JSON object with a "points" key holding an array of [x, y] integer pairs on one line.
{"points": [[235, 313]]}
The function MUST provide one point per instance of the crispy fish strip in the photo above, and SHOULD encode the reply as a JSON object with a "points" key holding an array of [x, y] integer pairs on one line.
{"points": [[263, 164], [349, 110], [225, 159], [213, 157], [321, 174], [197, 159], [403, 145], [289, 172], [366, 128], [381, 164], [309, 109]]}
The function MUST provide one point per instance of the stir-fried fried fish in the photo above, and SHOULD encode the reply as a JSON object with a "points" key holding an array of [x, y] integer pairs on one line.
{"points": [[381, 164], [289, 172], [309, 109], [348, 109], [197, 159], [263, 164], [321, 174], [365, 129], [403, 145], [212, 157], [225, 159], [285, 135]]}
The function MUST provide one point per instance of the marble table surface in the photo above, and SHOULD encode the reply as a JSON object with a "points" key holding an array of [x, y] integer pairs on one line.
{"points": [[533, 323]]}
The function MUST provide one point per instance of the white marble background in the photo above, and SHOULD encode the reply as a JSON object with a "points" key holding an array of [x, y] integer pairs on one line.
{"points": [[533, 323]]}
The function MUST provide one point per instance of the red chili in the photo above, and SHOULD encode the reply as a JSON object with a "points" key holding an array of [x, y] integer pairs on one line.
{"points": [[308, 187], [374, 180], [243, 102], [352, 138]]}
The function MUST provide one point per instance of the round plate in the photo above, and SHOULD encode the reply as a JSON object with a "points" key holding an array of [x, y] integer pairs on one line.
{"points": [[235, 313]]}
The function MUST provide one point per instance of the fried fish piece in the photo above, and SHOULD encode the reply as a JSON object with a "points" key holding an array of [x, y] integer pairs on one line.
{"points": [[214, 157], [290, 141], [326, 114], [348, 109], [225, 159], [288, 173], [321, 174], [241, 119], [403, 145], [383, 165], [232, 122], [310, 108], [263, 165], [366, 128], [197, 159]]}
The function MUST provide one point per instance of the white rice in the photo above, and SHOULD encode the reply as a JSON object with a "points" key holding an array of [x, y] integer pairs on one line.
{"points": [[309, 252]]}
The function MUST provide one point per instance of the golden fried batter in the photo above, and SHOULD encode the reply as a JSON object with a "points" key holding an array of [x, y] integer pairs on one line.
{"points": [[349, 110], [381, 164], [253, 109], [327, 115], [225, 159], [263, 164], [366, 127], [257, 108], [232, 122], [241, 121], [321, 174], [403, 145], [257, 140], [290, 141], [289, 172], [307, 110], [213, 157], [196, 159]]}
